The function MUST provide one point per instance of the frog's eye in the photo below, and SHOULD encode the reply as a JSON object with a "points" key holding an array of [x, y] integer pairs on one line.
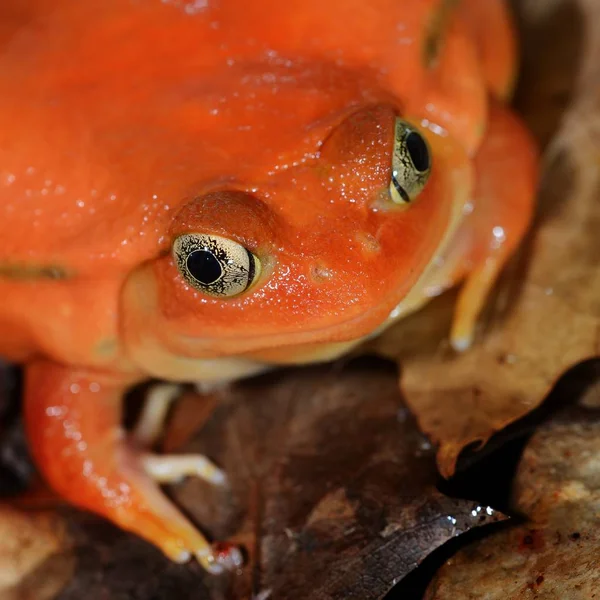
{"points": [[215, 265], [411, 163]]}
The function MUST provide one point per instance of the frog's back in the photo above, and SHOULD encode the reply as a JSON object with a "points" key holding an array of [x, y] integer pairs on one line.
{"points": [[115, 110]]}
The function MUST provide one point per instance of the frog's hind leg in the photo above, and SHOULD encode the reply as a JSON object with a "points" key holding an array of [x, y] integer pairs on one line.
{"points": [[73, 420], [506, 168]]}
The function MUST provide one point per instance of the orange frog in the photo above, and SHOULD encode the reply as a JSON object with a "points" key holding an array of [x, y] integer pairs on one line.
{"points": [[197, 190]]}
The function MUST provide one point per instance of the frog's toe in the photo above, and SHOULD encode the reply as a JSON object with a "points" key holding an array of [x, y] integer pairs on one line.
{"points": [[174, 468], [151, 422], [168, 468], [461, 343], [471, 299]]}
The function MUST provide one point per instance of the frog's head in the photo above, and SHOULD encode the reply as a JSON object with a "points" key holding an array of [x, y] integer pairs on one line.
{"points": [[319, 252]]}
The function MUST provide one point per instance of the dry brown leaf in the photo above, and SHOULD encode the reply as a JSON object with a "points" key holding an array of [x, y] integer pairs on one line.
{"points": [[35, 557], [545, 316], [332, 494], [556, 555]]}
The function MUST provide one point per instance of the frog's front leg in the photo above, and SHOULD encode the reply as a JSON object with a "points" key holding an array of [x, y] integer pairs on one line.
{"points": [[73, 418], [506, 168]]}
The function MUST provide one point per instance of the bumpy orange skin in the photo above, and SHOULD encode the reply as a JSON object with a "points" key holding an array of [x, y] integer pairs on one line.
{"points": [[124, 124]]}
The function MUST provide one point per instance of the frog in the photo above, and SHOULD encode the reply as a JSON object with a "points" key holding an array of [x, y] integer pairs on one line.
{"points": [[194, 191]]}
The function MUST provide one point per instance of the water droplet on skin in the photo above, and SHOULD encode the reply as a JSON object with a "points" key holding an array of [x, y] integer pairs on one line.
{"points": [[54, 411], [499, 236], [433, 127]]}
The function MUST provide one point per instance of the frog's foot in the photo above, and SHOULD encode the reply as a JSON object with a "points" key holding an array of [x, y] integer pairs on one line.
{"points": [[73, 419], [168, 468], [471, 300], [506, 167]]}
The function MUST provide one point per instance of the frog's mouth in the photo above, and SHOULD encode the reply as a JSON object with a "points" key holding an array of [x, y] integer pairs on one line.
{"points": [[163, 353]]}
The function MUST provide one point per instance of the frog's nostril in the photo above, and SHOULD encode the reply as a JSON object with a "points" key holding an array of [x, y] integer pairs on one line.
{"points": [[368, 243], [320, 273]]}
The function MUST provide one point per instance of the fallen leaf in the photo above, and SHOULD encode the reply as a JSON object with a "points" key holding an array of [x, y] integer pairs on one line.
{"points": [[332, 494], [545, 315], [35, 557], [554, 556]]}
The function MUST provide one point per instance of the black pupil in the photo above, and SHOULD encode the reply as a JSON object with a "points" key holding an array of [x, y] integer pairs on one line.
{"points": [[417, 148], [203, 266]]}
